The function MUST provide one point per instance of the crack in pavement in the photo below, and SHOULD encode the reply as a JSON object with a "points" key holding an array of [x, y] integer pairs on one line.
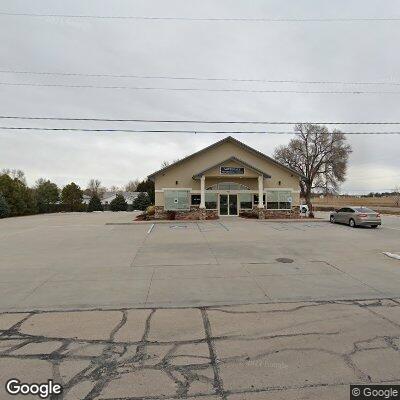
{"points": [[179, 368]]}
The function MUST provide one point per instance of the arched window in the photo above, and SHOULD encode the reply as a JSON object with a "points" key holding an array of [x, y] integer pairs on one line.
{"points": [[228, 186]]}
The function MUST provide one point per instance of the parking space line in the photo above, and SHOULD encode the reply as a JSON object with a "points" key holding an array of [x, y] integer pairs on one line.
{"points": [[392, 255], [150, 229], [225, 227]]}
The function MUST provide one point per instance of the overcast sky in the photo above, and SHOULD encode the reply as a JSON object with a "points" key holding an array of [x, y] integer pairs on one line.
{"points": [[335, 51]]}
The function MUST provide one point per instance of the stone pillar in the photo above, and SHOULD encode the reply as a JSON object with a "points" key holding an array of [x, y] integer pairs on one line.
{"points": [[203, 192], [260, 191]]}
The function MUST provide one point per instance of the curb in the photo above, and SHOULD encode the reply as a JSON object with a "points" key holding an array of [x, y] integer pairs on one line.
{"points": [[191, 221]]}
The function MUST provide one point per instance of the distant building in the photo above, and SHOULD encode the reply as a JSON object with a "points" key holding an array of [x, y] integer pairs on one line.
{"points": [[108, 197]]}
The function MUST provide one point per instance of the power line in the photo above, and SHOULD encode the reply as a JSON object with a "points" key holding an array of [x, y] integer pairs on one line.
{"points": [[165, 77], [202, 89], [193, 121], [155, 18], [195, 131]]}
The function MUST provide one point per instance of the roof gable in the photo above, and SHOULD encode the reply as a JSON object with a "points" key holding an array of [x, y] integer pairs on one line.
{"points": [[225, 140], [235, 159]]}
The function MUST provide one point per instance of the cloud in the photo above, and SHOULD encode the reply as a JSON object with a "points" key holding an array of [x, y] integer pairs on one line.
{"points": [[306, 51]]}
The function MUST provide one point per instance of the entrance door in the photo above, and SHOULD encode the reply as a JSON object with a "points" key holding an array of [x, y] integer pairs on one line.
{"points": [[228, 204], [223, 204], [233, 204]]}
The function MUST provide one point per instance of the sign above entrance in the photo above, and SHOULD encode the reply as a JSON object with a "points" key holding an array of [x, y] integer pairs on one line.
{"points": [[232, 170]]}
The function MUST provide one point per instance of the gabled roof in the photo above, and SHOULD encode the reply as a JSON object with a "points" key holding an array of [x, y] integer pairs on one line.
{"points": [[225, 140], [233, 158], [127, 195]]}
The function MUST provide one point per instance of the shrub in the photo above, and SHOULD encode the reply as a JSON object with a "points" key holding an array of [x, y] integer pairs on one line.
{"points": [[248, 214], [95, 204], [141, 217], [150, 210], [171, 215], [4, 208], [119, 203]]}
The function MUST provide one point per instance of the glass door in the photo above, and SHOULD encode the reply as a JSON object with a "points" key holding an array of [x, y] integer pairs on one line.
{"points": [[223, 204], [233, 204]]}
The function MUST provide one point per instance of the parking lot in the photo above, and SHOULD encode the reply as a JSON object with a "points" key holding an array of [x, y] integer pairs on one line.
{"points": [[230, 309], [85, 261]]}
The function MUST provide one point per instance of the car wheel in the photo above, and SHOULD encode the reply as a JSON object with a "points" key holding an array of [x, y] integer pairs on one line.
{"points": [[332, 219], [352, 223], [374, 226]]}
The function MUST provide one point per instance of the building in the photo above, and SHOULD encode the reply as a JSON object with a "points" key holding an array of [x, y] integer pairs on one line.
{"points": [[225, 179], [108, 197]]}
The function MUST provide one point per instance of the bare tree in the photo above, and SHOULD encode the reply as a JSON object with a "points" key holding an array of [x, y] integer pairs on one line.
{"points": [[166, 163], [115, 189], [397, 196], [94, 188], [14, 173], [319, 155], [132, 185]]}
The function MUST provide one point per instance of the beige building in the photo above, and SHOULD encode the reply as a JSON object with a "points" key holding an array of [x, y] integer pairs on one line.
{"points": [[227, 178]]}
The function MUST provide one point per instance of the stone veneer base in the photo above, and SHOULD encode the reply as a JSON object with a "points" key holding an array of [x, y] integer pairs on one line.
{"points": [[195, 213], [263, 213]]}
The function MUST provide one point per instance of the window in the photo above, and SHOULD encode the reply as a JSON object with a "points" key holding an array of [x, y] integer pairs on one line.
{"points": [[211, 201], [346, 210], [279, 200], [272, 200], [245, 201], [195, 199], [255, 198], [285, 200], [364, 210], [228, 186], [176, 200]]}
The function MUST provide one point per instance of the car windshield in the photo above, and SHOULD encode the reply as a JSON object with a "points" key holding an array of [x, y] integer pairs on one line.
{"points": [[364, 210]]}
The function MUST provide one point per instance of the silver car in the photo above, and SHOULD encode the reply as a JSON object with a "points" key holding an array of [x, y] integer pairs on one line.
{"points": [[356, 216]]}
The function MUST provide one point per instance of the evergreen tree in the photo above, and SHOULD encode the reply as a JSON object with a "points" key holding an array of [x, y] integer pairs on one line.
{"points": [[4, 208], [72, 196], [119, 203], [148, 187], [20, 199], [141, 202], [95, 204], [47, 194]]}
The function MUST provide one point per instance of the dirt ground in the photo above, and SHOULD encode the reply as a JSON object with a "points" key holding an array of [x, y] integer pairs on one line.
{"points": [[336, 201]]}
